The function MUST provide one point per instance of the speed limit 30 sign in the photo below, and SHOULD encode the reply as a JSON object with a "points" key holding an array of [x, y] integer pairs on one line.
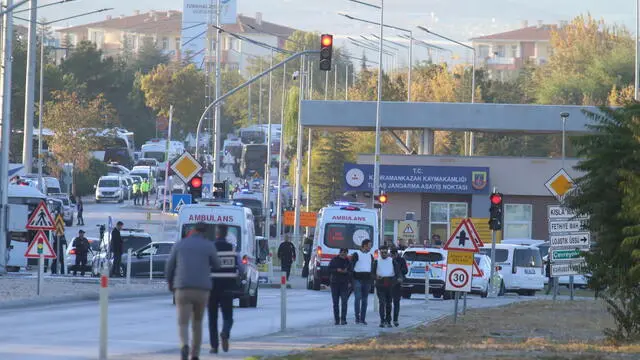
{"points": [[459, 271]]}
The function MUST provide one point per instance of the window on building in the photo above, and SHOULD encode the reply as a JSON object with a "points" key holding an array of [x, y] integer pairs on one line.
{"points": [[178, 45], [440, 215], [514, 51], [500, 52], [483, 51], [165, 43], [518, 219]]}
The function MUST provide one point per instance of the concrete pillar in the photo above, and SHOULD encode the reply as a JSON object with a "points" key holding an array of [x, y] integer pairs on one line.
{"points": [[427, 142]]}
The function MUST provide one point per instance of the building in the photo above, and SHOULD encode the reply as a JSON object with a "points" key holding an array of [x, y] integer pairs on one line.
{"points": [[505, 53], [440, 190], [116, 35]]}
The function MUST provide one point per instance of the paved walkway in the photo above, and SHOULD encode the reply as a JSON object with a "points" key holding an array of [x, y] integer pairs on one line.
{"points": [[414, 312]]}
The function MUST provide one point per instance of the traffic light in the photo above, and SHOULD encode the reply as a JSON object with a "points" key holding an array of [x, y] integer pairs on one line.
{"points": [[496, 217], [220, 190], [381, 199], [326, 51], [195, 187]]}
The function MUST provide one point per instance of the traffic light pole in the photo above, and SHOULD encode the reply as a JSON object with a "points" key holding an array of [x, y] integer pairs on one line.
{"points": [[493, 259]]}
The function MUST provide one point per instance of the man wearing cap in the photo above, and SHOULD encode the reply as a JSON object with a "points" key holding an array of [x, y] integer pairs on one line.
{"points": [[81, 244], [116, 248]]}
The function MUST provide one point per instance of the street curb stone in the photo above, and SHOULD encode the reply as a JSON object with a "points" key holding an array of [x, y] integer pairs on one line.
{"points": [[26, 303]]}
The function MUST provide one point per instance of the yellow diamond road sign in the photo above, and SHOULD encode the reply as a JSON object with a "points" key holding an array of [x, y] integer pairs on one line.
{"points": [[186, 167], [560, 184]]}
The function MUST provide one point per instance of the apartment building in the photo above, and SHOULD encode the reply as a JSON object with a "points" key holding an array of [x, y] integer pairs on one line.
{"points": [[116, 35], [503, 54]]}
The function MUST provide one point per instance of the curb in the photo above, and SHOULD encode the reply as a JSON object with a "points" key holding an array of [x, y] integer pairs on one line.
{"points": [[25, 303]]}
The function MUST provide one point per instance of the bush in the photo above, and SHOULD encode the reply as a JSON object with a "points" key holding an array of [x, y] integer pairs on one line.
{"points": [[86, 179]]}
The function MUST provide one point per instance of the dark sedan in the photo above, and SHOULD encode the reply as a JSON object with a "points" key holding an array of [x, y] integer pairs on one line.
{"points": [[149, 258]]}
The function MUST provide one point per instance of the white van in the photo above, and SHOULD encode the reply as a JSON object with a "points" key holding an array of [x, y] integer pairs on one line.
{"points": [[241, 234], [110, 188], [520, 266], [342, 225], [52, 184], [146, 173], [22, 195]]}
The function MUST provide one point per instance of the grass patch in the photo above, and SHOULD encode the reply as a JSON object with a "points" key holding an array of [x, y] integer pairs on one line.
{"points": [[541, 330]]}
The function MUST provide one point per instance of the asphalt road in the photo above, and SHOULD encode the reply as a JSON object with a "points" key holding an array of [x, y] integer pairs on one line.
{"points": [[146, 328]]}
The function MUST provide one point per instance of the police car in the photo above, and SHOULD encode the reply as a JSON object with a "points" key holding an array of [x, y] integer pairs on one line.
{"points": [[341, 225], [417, 260], [241, 235]]}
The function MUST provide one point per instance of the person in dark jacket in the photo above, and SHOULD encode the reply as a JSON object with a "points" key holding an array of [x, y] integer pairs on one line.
{"points": [[396, 292], [81, 244], [385, 272], [547, 269], [80, 207], [287, 255], [59, 243], [221, 296], [116, 249], [361, 267], [306, 251], [340, 278]]}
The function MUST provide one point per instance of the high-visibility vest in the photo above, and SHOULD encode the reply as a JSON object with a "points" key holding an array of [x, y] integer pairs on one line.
{"points": [[136, 187], [145, 187]]}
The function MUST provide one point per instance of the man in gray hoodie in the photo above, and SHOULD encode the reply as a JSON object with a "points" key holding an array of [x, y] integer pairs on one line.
{"points": [[188, 276]]}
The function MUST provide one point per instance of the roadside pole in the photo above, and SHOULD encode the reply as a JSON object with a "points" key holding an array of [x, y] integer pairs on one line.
{"points": [[283, 301], [166, 158], [464, 304], [129, 252], [493, 292], [104, 307], [455, 307], [151, 264], [426, 284], [40, 269]]}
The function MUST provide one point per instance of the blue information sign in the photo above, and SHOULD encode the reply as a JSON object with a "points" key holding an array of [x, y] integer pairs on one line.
{"points": [[419, 179], [178, 200]]}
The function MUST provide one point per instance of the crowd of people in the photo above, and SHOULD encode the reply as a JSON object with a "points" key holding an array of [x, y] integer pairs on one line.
{"points": [[359, 274]]}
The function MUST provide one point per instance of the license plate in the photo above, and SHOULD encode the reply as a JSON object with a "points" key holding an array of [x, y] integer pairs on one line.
{"points": [[417, 270], [529, 271]]}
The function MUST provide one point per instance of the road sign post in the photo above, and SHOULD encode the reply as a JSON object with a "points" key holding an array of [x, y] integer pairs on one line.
{"points": [[568, 243], [461, 245], [40, 246]]}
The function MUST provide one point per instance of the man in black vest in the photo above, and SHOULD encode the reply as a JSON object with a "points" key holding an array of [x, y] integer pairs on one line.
{"points": [[224, 283], [59, 243]]}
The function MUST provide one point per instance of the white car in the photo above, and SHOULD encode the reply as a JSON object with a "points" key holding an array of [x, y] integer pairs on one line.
{"points": [[417, 259], [110, 188], [481, 281], [69, 209], [70, 255]]}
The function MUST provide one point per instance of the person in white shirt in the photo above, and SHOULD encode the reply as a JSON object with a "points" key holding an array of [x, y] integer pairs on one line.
{"points": [[385, 271], [362, 263]]}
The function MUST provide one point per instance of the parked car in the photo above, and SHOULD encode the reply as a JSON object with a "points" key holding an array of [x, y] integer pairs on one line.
{"points": [[117, 169], [417, 260], [481, 281], [110, 188], [155, 254], [132, 239], [68, 207], [70, 255]]}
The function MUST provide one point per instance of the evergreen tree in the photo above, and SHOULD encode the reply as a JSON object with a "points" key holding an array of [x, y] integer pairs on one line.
{"points": [[327, 180], [608, 193]]}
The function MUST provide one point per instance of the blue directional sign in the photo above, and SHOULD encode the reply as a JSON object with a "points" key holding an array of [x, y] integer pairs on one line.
{"points": [[177, 200], [206, 189]]}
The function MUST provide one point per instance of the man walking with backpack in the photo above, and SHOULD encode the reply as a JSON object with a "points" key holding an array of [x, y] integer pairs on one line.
{"points": [[225, 281]]}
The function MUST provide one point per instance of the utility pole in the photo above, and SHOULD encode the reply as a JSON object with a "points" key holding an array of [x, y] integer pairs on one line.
{"points": [[298, 192], [281, 157], [217, 139], [267, 173], [30, 84], [5, 81]]}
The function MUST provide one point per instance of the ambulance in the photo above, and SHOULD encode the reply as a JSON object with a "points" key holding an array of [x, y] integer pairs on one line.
{"points": [[341, 225], [241, 235]]}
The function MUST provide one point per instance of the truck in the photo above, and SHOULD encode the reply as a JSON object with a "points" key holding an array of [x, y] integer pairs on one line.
{"points": [[253, 160]]}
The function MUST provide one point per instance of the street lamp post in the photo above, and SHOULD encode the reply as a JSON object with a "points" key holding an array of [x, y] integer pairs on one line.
{"points": [[473, 76]]}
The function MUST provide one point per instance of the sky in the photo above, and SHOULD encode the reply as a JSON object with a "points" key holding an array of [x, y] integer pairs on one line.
{"points": [[457, 19]]}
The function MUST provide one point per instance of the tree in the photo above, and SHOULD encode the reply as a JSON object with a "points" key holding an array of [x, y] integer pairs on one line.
{"points": [[328, 158], [88, 67], [609, 192], [73, 121], [177, 85]]}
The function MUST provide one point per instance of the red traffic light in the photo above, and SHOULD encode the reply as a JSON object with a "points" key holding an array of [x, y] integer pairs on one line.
{"points": [[196, 182], [327, 40], [496, 199]]}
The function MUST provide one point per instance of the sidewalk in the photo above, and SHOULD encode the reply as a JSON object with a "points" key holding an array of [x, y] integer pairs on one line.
{"points": [[414, 313]]}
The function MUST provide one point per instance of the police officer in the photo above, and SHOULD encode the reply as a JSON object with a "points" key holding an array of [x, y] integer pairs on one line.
{"points": [[224, 283], [59, 242], [136, 193], [144, 187], [82, 247]]}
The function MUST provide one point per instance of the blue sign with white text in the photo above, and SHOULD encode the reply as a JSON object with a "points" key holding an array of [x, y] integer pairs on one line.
{"points": [[178, 200], [419, 179]]}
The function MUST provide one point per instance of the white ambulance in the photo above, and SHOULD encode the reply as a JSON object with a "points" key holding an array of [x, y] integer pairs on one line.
{"points": [[341, 225], [241, 235]]}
